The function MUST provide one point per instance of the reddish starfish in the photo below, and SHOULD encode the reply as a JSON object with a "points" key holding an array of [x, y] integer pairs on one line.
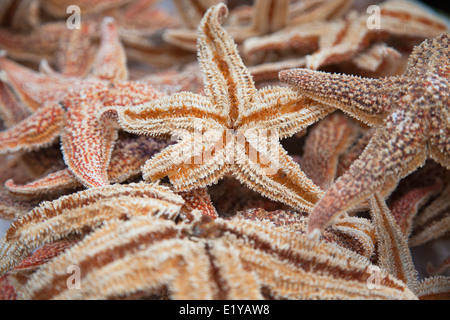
{"points": [[410, 112], [69, 110]]}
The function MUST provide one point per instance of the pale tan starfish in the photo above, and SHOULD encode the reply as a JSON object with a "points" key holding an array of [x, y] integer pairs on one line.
{"points": [[80, 213], [203, 259], [410, 112], [346, 40], [230, 123]]}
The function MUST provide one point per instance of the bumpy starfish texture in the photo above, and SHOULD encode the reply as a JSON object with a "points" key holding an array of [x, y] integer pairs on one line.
{"points": [[127, 158], [223, 132], [410, 113], [80, 213], [209, 259], [71, 113]]}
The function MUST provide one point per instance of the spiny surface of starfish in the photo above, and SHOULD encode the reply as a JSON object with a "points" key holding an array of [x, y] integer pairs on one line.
{"points": [[70, 111], [410, 113], [82, 212], [395, 256], [349, 39], [234, 129], [202, 258]]}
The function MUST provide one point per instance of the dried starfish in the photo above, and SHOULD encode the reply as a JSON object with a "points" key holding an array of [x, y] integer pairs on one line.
{"points": [[409, 111], [267, 16], [348, 39], [79, 213], [324, 144], [394, 254], [70, 113], [223, 131], [40, 43], [433, 222], [208, 259], [406, 208]]}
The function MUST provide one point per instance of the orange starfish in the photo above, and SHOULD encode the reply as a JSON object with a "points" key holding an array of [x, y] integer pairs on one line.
{"points": [[68, 109], [411, 115]]}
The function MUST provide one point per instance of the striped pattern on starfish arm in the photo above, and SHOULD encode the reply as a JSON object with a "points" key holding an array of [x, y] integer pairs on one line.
{"points": [[208, 259], [229, 119], [81, 212]]}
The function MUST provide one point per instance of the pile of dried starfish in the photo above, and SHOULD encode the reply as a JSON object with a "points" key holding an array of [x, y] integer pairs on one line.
{"points": [[201, 156]]}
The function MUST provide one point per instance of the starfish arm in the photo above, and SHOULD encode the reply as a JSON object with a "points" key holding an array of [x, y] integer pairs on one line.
{"points": [[183, 110], [394, 254], [79, 212], [87, 151], [390, 155], [192, 11], [323, 147], [360, 97], [129, 155], [34, 88], [77, 52], [190, 167], [270, 16], [433, 222], [274, 174], [110, 62], [199, 199], [12, 207], [283, 110], [405, 209], [228, 83], [36, 131], [440, 136], [40, 44], [56, 181]]}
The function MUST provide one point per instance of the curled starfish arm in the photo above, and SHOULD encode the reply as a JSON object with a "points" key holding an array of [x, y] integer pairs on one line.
{"points": [[56, 181], [283, 110], [38, 130], [274, 174], [199, 199], [360, 97], [388, 157]]}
